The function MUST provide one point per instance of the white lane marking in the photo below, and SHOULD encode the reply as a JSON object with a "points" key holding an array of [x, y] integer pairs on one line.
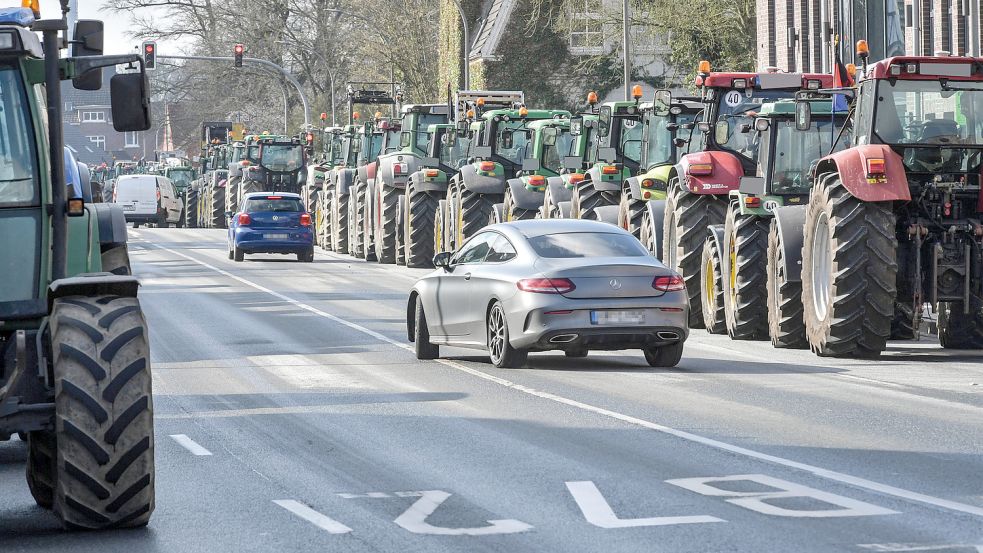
{"points": [[820, 472], [323, 522], [190, 445], [598, 511], [884, 547], [758, 500], [414, 519]]}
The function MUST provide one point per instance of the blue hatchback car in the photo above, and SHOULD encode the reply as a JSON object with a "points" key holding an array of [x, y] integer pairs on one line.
{"points": [[271, 222]]}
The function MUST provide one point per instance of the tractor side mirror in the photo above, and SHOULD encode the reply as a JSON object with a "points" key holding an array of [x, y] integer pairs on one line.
{"points": [[130, 101], [604, 121], [663, 99], [753, 185], [404, 139], [507, 141], [803, 116], [721, 132], [550, 134], [672, 127], [442, 260], [680, 142], [88, 41], [576, 126]]}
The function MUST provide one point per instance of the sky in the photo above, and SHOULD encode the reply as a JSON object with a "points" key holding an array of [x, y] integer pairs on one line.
{"points": [[116, 27]]}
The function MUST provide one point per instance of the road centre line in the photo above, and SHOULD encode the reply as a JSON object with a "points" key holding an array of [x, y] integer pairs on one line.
{"points": [[190, 445], [323, 522], [820, 472]]}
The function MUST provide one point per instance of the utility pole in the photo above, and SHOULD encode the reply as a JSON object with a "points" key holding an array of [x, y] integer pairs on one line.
{"points": [[467, 45], [627, 50]]}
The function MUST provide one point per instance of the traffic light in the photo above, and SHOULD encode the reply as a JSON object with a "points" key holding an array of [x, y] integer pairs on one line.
{"points": [[238, 50], [150, 55]]}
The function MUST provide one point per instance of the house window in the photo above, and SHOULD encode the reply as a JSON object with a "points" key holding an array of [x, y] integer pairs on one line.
{"points": [[586, 31], [132, 140], [98, 141], [93, 117]]}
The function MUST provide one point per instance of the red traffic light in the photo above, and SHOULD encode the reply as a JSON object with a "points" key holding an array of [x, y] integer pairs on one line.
{"points": [[239, 48], [149, 48]]}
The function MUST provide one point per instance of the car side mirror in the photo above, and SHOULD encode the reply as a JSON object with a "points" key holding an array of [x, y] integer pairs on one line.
{"points": [[88, 41], [229, 214], [130, 102], [442, 260]]}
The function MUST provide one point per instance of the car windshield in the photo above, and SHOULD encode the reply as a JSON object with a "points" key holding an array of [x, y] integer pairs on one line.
{"points": [[587, 244], [282, 157], [512, 139], [739, 108], [553, 153], [278, 205], [17, 155], [423, 123], [631, 138], [797, 151], [180, 177]]}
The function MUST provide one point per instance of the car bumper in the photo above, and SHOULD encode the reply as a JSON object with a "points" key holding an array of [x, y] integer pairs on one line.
{"points": [[562, 324], [255, 241], [141, 217]]}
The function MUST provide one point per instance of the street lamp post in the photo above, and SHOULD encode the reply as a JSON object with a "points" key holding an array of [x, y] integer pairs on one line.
{"points": [[627, 51], [327, 67]]}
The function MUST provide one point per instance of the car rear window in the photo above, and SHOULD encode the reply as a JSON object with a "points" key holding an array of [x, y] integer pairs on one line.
{"points": [[587, 244], [281, 204]]}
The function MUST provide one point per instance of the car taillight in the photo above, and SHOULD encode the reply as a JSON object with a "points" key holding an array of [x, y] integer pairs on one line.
{"points": [[305, 219], [546, 285], [672, 283], [244, 220], [158, 193]]}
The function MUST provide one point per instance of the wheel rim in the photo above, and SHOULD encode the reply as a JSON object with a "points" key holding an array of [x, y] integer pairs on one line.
{"points": [[733, 272], [708, 282], [496, 334], [822, 266]]}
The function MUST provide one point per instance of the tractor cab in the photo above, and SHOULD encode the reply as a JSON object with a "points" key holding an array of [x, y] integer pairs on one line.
{"points": [[416, 123], [502, 138]]}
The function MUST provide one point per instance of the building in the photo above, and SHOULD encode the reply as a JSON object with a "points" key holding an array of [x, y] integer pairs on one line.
{"points": [[88, 127], [803, 35], [570, 55]]}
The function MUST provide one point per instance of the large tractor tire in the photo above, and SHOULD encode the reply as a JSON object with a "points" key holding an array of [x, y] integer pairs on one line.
{"points": [[356, 218], [42, 467], [958, 330], [103, 413], [248, 187], [400, 231], [512, 212], [711, 291], [903, 323], [363, 225], [745, 288], [473, 211], [218, 209], [385, 223], [849, 271], [630, 212], [586, 199], [440, 243], [786, 327], [647, 236], [420, 228], [338, 228], [232, 197], [191, 208], [684, 230]]}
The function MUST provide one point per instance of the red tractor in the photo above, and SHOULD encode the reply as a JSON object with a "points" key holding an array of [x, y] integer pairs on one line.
{"points": [[896, 220], [701, 182]]}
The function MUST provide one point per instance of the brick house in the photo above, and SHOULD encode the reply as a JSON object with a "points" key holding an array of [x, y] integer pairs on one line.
{"points": [[800, 35], [88, 127]]}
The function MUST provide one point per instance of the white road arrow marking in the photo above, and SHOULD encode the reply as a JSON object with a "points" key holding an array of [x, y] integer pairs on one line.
{"points": [[415, 519], [323, 522], [758, 501], [598, 512]]}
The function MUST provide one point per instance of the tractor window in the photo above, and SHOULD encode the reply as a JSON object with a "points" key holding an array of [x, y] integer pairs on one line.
{"points": [[659, 145], [282, 157], [512, 140], [738, 109], [923, 112], [423, 123], [252, 153], [553, 154], [392, 140], [453, 149], [180, 177], [631, 139], [18, 160], [797, 151]]}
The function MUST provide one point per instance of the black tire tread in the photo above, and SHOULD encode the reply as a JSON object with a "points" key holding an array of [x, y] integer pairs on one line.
{"points": [[747, 316]]}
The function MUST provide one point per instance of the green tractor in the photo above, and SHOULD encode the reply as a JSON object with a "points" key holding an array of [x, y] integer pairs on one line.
{"points": [[236, 161], [735, 264], [559, 190], [181, 176], [211, 200], [346, 149], [322, 160], [422, 205], [75, 379], [498, 138], [525, 194], [382, 137], [394, 168], [668, 132]]}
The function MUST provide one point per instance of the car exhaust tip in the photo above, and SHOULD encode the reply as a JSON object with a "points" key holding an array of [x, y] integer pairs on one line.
{"points": [[667, 335], [563, 338]]}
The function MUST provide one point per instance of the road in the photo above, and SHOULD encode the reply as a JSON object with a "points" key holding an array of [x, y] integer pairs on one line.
{"points": [[292, 416]]}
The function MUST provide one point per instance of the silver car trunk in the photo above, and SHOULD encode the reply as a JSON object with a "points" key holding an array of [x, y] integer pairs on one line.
{"points": [[605, 277]]}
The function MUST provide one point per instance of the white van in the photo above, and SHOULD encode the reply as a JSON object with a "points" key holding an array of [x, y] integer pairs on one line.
{"points": [[148, 199]]}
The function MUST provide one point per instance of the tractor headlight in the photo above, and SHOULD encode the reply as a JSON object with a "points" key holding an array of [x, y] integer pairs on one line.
{"points": [[7, 41]]}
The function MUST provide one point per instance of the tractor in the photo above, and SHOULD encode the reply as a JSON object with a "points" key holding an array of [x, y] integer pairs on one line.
{"points": [[560, 190], [320, 163], [272, 164], [896, 220], [499, 137], [548, 149], [393, 172], [700, 183], [75, 379], [182, 177], [382, 136], [426, 188], [337, 182], [738, 296]]}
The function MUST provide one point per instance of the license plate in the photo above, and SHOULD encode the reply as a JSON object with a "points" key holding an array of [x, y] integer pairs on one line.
{"points": [[617, 317], [276, 236], [129, 207]]}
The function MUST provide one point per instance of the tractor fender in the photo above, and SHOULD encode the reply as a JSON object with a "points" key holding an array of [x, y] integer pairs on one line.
{"points": [[385, 171], [851, 164], [523, 197], [480, 184], [558, 189], [658, 174], [346, 178], [724, 177], [422, 184], [600, 184], [93, 284], [716, 232], [657, 215], [634, 186], [607, 214], [791, 221], [110, 221]]}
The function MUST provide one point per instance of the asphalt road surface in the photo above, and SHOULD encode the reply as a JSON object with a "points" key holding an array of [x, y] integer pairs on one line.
{"points": [[291, 415]]}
